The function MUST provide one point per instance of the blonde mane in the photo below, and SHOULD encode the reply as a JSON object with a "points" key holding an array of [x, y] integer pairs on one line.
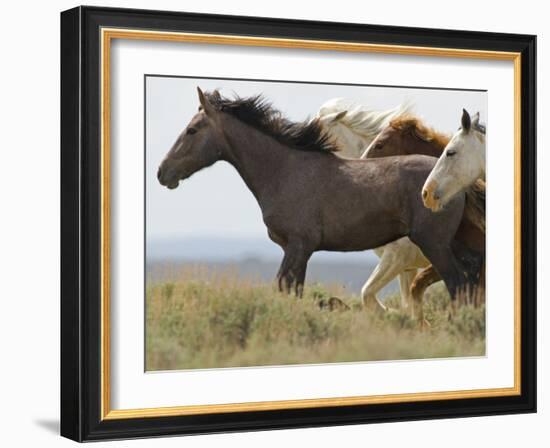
{"points": [[366, 122], [410, 123]]}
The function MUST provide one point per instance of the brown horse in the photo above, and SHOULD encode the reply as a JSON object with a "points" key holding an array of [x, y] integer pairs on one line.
{"points": [[311, 199], [406, 135]]}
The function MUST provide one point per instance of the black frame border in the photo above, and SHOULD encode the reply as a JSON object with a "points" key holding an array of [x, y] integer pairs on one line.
{"points": [[81, 223]]}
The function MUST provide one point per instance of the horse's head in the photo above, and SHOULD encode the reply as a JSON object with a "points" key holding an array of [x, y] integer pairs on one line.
{"points": [[406, 135], [198, 146], [350, 142], [385, 144], [460, 165]]}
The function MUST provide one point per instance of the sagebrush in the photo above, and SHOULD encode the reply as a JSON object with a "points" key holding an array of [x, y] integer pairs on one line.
{"points": [[202, 321]]}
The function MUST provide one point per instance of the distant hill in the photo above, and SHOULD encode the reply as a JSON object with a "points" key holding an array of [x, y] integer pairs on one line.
{"points": [[231, 249], [256, 259], [349, 275]]}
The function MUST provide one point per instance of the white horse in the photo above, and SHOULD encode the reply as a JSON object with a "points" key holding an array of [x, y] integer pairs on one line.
{"points": [[354, 128], [460, 165]]}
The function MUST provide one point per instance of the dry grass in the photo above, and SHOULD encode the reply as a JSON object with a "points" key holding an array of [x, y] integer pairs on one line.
{"points": [[205, 321]]}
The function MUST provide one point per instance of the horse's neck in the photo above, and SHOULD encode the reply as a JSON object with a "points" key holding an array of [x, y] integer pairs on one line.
{"points": [[258, 158], [432, 149]]}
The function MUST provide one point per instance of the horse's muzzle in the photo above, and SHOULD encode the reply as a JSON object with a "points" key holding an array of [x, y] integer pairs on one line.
{"points": [[431, 197], [162, 178]]}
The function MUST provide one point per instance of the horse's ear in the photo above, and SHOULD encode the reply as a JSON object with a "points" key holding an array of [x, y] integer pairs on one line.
{"points": [[466, 120], [340, 115], [475, 120], [206, 106]]}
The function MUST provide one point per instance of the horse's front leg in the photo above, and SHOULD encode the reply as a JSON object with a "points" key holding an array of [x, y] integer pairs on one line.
{"points": [[423, 279], [292, 272], [300, 276]]}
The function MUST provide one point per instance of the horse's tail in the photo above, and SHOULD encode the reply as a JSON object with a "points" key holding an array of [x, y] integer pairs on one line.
{"points": [[474, 209]]}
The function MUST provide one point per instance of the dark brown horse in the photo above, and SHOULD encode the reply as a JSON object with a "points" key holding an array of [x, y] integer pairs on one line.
{"points": [[311, 199], [407, 135]]}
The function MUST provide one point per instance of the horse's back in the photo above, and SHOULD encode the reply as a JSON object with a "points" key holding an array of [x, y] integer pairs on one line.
{"points": [[371, 199], [391, 171]]}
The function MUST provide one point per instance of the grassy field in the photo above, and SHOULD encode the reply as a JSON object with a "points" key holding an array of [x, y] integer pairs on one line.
{"points": [[201, 320]]}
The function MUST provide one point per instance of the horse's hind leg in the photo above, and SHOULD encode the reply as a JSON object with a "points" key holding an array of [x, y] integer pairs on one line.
{"points": [[472, 262], [405, 281], [480, 290], [386, 270]]}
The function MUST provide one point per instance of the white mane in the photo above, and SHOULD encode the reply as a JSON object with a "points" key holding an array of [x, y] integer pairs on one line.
{"points": [[361, 120]]}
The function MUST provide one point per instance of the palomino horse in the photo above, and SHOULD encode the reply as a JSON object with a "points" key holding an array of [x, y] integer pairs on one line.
{"points": [[407, 135], [460, 165], [310, 199], [353, 127]]}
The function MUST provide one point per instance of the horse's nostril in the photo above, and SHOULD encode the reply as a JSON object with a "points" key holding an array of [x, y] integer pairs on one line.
{"points": [[424, 194], [159, 173]]}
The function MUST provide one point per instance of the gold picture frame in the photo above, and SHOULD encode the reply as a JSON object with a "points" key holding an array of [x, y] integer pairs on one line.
{"points": [[107, 31]]}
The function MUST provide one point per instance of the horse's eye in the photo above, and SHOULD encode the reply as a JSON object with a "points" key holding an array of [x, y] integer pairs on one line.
{"points": [[191, 131], [451, 152], [378, 145]]}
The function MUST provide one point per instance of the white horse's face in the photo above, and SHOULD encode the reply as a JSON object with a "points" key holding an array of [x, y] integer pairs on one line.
{"points": [[351, 143], [460, 165]]}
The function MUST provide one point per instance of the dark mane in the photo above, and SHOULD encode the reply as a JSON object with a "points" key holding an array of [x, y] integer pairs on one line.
{"points": [[257, 112]]}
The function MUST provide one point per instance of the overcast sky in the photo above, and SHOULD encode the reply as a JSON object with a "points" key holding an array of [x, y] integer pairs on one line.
{"points": [[215, 202]]}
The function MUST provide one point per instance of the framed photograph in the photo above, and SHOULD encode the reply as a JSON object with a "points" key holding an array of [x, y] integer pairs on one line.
{"points": [[272, 224]]}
